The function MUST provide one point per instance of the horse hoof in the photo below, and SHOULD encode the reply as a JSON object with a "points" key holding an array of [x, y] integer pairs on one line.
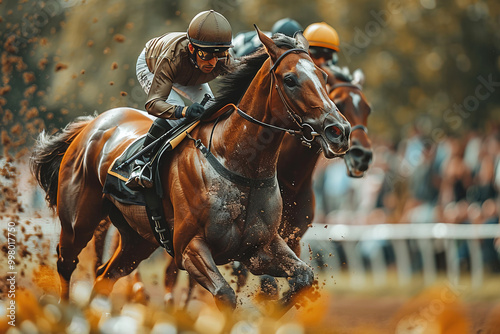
{"points": [[226, 300], [139, 294], [269, 289]]}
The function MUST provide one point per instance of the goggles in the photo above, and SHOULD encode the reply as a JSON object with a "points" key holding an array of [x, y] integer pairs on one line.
{"points": [[317, 52], [205, 55]]}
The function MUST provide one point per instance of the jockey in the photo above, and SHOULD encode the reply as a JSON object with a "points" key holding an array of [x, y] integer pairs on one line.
{"points": [[323, 47], [323, 43], [248, 42], [180, 64]]}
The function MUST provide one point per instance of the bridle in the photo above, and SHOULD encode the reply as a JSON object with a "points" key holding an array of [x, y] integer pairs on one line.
{"points": [[358, 87], [307, 136], [250, 182]]}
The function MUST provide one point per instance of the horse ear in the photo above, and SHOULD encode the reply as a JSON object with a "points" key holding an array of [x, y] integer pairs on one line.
{"points": [[303, 42], [268, 43], [358, 77]]}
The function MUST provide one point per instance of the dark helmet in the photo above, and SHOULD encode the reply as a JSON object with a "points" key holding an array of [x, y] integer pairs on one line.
{"points": [[286, 26], [211, 30]]}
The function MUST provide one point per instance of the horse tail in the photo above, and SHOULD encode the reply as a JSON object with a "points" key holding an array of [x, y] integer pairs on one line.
{"points": [[48, 153]]}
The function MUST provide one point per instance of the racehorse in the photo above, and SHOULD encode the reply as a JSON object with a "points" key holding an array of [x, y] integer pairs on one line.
{"points": [[296, 183], [216, 216]]}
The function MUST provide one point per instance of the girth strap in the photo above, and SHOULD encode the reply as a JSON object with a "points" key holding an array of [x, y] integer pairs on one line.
{"points": [[229, 175], [156, 216]]}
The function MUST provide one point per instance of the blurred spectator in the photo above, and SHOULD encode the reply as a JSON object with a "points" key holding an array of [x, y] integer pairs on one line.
{"points": [[456, 175], [490, 215], [424, 189], [483, 187], [418, 181]]}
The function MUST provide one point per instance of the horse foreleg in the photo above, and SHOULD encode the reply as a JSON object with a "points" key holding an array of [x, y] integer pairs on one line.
{"points": [[199, 263], [189, 295], [171, 276], [278, 260]]}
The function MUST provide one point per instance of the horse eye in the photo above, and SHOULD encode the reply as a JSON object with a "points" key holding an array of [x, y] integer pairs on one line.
{"points": [[290, 81]]}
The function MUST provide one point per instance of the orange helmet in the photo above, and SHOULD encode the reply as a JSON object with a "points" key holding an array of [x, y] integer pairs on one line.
{"points": [[322, 35]]}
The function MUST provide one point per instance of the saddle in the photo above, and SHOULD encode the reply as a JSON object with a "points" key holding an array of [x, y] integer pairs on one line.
{"points": [[120, 170]]}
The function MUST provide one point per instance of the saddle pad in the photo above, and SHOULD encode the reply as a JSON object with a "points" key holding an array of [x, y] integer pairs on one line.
{"points": [[116, 178]]}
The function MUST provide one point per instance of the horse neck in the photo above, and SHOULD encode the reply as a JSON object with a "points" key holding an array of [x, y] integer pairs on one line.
{"points": [[251, 149], [296, 163]]}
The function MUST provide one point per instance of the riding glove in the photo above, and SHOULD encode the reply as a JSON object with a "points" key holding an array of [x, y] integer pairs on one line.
{"points": [[195, 110]]}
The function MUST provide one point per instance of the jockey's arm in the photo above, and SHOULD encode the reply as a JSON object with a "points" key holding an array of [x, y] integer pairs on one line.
{"points": [[161, 87]]}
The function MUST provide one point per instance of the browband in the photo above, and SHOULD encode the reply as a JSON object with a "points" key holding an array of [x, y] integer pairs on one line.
{"points": [[273, 67]]}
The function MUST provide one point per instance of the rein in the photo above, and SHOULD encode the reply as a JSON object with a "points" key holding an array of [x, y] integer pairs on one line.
{"points": [[237, 178], [345, 84], [294, 115]]}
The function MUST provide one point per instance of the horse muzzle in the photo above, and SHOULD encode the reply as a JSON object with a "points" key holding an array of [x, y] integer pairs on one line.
{"points": [[335, 139], [358, 160]]}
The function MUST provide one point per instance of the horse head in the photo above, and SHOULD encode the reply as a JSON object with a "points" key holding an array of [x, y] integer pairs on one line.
{"points": [[301, 87], [347, 94]]}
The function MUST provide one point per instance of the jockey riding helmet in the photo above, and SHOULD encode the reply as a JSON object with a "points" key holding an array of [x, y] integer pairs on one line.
{"points": [[322, 35], [286, 27], [210, 32]]}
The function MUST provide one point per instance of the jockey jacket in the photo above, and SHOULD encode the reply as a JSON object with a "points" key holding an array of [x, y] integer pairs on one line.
{"points": [[168, 57]]}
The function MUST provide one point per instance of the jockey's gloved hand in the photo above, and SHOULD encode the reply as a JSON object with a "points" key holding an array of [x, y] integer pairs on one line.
{"points": [[195, 110]]}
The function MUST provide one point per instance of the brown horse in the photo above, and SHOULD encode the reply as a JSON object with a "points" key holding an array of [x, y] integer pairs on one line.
{"points": [[215, 218], [296, 183]]}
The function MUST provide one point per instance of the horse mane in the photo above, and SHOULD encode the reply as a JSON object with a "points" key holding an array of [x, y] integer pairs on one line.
{"points": [[233, 85], [343, 74]]}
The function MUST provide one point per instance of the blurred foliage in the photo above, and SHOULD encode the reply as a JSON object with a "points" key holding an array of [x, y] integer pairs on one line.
{"points": [[426, 62]]}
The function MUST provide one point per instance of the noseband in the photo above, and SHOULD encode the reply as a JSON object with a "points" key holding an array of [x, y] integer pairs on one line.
{"points": [[351, 85], [307, 136]]}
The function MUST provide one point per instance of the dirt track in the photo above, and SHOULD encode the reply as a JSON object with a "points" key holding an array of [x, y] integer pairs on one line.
{"points": [[339, 310]]}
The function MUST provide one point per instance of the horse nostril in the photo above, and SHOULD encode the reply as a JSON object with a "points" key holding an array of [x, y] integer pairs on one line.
{"points": [[334, 133], [361, 156], [356, 152]]}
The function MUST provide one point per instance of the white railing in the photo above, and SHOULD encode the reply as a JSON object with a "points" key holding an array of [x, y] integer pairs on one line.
{"points": [[365, 244]]}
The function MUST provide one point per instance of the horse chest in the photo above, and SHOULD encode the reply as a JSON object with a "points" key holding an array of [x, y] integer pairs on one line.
{"points": [[242, 218]]}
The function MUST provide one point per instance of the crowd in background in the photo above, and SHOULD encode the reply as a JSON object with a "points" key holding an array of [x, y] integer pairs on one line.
{"points": [[418, 180]]}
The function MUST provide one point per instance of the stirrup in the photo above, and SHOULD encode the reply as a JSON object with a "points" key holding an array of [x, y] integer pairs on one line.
{"points": [[141, 177]]}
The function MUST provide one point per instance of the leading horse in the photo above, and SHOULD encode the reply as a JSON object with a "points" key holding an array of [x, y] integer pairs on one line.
{"points": [[296, 184], [215, 219]]}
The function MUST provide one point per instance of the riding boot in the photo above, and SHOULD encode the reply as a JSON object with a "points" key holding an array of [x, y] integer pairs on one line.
{"points": [[142, 173]]}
